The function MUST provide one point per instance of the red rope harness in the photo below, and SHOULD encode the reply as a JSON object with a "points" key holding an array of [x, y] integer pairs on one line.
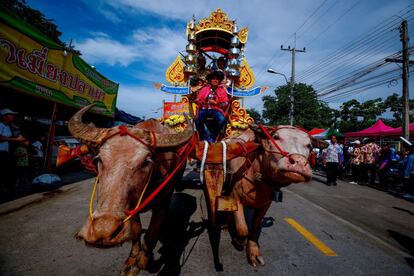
{"points": [[184, 152], [281, 151], [87, 160]]}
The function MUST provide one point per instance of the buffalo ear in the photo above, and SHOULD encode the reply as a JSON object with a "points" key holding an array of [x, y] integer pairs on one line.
{"points": [[318, 143]]}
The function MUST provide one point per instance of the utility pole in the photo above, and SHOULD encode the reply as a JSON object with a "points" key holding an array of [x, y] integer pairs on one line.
{"points": [[405, 77], [405, 92], [292, 77]]}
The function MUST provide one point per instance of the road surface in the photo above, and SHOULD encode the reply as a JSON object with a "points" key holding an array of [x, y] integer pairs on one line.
{"points": [[316, 230]]}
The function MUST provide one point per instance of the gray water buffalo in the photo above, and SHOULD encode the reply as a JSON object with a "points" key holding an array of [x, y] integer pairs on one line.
{"points": [[126, 164]]}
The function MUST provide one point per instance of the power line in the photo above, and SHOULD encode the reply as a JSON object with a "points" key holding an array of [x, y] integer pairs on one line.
{"points": [[276, 52], [363, 39]]}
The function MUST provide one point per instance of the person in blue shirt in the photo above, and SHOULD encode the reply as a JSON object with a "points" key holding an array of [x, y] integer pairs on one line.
{"points": [[408, 180]]}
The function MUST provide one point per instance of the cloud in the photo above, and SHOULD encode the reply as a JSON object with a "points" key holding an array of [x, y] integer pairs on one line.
{"points": [[150, 44], [142, 101], [104, 50]]}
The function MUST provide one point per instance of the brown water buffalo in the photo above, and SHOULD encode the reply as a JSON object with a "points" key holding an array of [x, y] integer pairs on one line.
{"points": [[263, 170], [126, 164]]}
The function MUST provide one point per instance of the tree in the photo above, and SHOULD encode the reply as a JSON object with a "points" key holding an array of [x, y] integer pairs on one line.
{"points": [[394, 104], [36, 19], [255, 115], [309, 112]]}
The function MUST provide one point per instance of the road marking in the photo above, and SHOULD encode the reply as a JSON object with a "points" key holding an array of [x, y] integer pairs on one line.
{"points": [[311, 238], [353, 226]]}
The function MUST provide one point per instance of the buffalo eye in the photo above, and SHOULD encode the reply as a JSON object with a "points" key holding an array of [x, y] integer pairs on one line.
{"points": [[147, 161], [276, 137]]}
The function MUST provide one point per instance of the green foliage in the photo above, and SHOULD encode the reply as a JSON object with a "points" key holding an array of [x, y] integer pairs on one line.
{"points": [[309, 112], [355, 116], [36, 19], [255, 115]]}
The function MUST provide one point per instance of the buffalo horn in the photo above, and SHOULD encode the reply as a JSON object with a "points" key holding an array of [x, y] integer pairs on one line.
{"points": [[87, 133]]}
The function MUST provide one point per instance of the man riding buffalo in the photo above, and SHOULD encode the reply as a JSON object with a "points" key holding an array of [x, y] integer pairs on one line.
{"points": [[213, 101]]}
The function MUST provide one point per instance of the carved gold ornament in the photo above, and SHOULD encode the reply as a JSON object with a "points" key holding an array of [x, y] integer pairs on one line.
{"points": [[247, 78], [219, 20], [239, 119], [175, 73]]}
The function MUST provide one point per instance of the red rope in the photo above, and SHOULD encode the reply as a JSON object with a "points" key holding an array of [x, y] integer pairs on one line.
{"points": [[86, 160], [282, 152], [186, 150]]}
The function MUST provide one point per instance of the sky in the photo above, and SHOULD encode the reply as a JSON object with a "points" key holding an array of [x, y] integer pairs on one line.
{"points": [[133, 42]]}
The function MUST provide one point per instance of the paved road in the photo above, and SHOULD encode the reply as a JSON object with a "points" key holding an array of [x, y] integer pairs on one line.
{"points": [[369, 231]]}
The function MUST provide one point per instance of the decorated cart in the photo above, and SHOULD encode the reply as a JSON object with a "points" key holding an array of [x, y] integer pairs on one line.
{"points": [[211, 39]]}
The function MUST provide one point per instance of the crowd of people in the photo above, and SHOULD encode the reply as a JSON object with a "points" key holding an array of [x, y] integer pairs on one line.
{"points": [[366, 162], [21, 153]]}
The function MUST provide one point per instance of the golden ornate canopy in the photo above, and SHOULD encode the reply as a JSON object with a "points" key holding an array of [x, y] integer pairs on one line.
{"points": [[218, 20]]}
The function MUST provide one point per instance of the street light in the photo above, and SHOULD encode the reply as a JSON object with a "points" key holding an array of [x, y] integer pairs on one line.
{"points": [[270, 70]]}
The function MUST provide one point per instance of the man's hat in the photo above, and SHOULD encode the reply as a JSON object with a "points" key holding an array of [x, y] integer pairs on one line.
{"points": [[215, 74], [7, 111], [356, 142]]}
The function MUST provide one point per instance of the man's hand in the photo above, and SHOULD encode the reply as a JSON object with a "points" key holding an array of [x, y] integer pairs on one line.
{"points": [[212, 102]]}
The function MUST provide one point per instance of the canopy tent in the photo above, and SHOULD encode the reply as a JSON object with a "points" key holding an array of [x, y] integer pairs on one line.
{"points": [[398, 131], [377, 129], [315, 131]]}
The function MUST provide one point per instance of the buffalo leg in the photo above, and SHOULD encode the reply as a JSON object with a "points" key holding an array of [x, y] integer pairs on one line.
{"points": [[130, 267], [242, 229], [252, 250], [152, 235]]}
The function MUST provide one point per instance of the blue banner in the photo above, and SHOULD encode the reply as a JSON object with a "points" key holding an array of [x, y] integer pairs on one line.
{"points": [[178, 90], [247, 93]]}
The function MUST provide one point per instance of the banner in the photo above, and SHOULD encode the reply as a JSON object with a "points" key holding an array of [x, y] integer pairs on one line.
{"points": [[247, 93], [177, 90], [171, 108], [33, 63]]}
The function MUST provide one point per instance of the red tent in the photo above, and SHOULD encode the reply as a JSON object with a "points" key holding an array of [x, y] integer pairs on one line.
{"points": [[315, 131], [398, 131], [377, 129]]}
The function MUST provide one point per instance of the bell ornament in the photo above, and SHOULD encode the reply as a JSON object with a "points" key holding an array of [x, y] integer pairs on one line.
{"points": [[190, 59], [191, 48], [190, 69], [235, 28], [235, 41], [233, 63], [191, 36], [235, 51]]}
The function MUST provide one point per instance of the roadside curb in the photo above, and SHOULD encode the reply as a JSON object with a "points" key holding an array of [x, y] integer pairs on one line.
{"points": [[20, 203]]}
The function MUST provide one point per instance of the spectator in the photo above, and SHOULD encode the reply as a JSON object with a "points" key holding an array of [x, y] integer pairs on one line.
{"points": [[21, 155], [332, 160], [356, 161], [384, 166], [7, 162], [408, 180], [371, 152], [37, 156]]}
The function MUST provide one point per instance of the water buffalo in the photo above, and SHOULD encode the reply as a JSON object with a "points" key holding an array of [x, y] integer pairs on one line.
{"points": [[272, 166], [126, 164]]}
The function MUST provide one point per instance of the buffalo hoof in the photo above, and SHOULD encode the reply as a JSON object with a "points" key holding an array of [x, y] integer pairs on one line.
{"points": [[130, 270], [253, 254], [143, 260]]}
